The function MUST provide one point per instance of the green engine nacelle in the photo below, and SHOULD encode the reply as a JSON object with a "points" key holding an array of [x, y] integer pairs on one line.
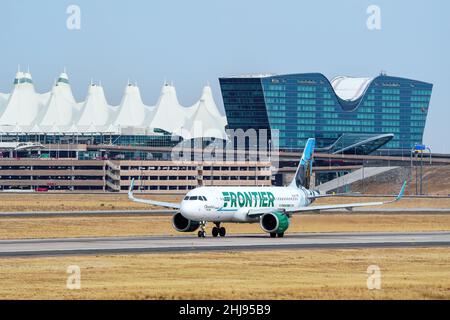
{"points": [[275, 222], [181, 224]]}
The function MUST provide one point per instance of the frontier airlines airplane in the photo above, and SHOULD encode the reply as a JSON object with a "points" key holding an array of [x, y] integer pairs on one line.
{"points": [[271, 207]]}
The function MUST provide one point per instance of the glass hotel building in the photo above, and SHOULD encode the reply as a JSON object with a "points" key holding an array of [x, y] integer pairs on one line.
{"points": [[345, 115]]}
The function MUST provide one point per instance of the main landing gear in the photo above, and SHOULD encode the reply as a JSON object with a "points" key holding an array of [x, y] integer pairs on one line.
{"points": [[216, 231], [274, 235]]}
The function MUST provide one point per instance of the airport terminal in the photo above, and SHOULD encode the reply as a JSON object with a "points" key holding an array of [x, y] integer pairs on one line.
{"points": [[345, 115], [51, 142]]}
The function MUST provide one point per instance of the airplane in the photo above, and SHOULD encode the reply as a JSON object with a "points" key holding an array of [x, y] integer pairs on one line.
{"points": [[271, 207]]}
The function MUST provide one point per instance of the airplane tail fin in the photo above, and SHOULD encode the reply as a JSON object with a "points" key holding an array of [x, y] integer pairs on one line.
{"points": [[130, 190], [302, 177]]}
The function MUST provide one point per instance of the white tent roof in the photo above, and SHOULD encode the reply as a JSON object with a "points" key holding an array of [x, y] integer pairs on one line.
{"points": [[132, 111], [96, 111], [56, 112], [71, 129], [350, 89], [4, 97], [169, 115], [208, 100], [203, 123], [36, 129], [61, 109], [24, 105]]}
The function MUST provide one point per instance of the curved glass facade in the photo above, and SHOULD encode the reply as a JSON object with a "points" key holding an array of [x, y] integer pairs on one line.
{"points": [[301, 106]]}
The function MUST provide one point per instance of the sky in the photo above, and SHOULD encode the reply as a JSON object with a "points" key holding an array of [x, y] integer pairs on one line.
{"points": [[194, 42]]}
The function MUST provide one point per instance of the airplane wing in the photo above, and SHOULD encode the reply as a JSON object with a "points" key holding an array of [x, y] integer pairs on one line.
{"points": [[150, 202], [348, 206], [319, 196]]}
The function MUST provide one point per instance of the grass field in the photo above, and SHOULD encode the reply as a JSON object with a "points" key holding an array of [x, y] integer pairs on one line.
{"points": [[86, 202], [418, 273]]}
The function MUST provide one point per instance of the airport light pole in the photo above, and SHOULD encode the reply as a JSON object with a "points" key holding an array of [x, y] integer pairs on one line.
{"points": [[411, 167], [363, 177], [420, 148], [421, 172], [429, 151]]}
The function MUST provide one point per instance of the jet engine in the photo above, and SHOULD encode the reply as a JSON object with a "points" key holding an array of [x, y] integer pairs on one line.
{"points": [[275, 222], [182, 224]]}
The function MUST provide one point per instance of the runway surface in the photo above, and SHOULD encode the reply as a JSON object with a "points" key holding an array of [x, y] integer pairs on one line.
{"points": [[116, 245]]}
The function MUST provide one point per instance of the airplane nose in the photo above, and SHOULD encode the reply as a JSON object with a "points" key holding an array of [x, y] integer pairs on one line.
{"points": [[188, 207], [192, 210]]}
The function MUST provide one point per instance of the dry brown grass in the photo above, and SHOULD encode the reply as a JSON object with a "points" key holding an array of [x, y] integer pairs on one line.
{"points": [[73, 202], [436, 180], [93, 202], [442, 203], [421, 273], [20, 228]]}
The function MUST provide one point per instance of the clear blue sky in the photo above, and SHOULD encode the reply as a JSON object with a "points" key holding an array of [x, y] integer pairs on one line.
{"points": [[195, 41]]}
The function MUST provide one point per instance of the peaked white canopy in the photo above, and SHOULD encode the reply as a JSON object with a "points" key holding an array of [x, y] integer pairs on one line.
{"points": [[203, 123], [26, 111], [350, 89], [96, 111], [169, 115], [132, 111], [3, 102], [61, 108], [207, 100], [24, 104]]}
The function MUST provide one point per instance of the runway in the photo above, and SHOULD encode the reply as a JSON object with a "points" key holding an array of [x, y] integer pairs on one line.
{"points": [[124, 245]]}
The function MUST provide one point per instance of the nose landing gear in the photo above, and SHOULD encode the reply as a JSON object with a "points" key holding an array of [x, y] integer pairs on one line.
{"points": [[217, 230], [202, 232]]}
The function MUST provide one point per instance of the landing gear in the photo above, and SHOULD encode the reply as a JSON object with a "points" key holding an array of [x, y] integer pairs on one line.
{"points": [[218, 231], [274, 235], [202, 232]]}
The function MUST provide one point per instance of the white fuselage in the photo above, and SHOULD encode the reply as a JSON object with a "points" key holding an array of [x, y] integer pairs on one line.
{"points": [[232, 204]]}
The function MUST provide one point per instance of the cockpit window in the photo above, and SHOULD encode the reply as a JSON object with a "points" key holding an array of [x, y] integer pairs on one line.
{"points": [[201, 198]]}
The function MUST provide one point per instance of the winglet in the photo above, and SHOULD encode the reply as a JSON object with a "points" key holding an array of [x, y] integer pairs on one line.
{"points": [[130, 191], [402, 192]]}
